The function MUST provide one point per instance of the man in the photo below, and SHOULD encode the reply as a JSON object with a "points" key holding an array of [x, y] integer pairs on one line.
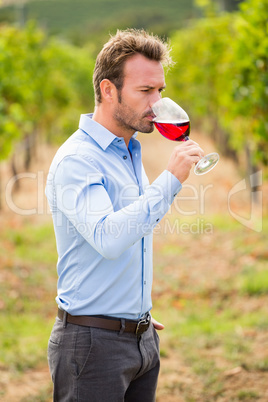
{"points": [[104, 346]]}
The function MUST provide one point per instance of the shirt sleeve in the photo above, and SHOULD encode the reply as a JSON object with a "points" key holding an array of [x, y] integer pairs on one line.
{"points": [[84, 200]]}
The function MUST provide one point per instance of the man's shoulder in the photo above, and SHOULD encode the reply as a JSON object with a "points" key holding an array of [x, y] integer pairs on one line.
{"points": [[78, 145]]}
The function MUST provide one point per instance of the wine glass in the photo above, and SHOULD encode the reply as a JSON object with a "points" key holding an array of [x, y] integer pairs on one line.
{"points": [[174, 123]]}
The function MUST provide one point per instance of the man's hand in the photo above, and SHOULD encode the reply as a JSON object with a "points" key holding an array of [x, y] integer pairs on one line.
{"points": [[182, 159], [157, 324]]}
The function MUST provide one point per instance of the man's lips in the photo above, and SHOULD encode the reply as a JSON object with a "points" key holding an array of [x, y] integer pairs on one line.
{"points": [[150, 116]]}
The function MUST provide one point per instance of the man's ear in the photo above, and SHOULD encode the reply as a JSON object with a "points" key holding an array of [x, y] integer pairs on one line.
{"points": [[108, 90]]}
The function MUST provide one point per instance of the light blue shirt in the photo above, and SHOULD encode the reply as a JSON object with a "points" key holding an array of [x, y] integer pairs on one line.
{"points": [[104, 212]]}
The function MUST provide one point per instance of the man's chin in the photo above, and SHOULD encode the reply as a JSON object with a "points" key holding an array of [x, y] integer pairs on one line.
{"points": [[148, 129]]}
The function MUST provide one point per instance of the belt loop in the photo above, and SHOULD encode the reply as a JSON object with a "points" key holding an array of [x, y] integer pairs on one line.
{"points": [[64, 319], [123, 326]]}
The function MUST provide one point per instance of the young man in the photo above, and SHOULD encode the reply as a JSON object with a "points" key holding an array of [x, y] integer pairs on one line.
{"points": [[104, 346]]}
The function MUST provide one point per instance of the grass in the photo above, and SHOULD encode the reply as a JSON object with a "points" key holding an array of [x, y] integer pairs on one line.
{"points": [[27, 297], [24, 340], [247, 395], [28, 240], [200, 318], [44, 396], [254, 283]]}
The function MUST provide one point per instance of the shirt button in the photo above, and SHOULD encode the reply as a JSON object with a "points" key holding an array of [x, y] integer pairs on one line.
{"points": [[125, 157]]}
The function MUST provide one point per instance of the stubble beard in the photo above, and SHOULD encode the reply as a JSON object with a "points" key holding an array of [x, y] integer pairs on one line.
{"points": [[130, 121]]}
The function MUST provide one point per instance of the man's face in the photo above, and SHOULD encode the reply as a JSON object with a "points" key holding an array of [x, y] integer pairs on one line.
{"points": [[143, 83]]}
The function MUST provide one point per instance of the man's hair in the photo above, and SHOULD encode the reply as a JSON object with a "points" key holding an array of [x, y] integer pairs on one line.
{"points": [[124, 44]]}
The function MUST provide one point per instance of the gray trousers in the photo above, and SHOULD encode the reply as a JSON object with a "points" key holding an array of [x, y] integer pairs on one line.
{"points": [[97, 365]]}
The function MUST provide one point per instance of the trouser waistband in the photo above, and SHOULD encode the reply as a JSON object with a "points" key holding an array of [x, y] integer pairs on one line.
{"points": [[135, 327]]}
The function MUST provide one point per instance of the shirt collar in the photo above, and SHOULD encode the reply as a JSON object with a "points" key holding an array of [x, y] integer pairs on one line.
{"points": [[100, 134]]}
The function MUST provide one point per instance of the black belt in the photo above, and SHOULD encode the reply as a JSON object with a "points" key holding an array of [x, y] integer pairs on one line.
{"points": [[135, 327]]}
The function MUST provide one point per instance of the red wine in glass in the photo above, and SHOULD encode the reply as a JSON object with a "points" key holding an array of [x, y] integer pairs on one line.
{"points": [[172, 130], [174, 123]]}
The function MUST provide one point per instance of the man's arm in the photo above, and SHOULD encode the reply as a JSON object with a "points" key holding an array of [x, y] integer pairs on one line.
{"points": [[82, 197], [84, 200]]}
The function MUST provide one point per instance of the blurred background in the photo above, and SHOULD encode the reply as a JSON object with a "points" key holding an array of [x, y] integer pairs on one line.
{"points": [[211, 277]]}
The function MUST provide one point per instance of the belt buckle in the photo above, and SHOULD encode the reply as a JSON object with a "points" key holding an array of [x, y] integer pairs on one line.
{"points": [[143, 325]]}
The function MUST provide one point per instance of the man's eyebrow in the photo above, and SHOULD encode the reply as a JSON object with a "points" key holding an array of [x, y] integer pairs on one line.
{"points": [[150, 87]]}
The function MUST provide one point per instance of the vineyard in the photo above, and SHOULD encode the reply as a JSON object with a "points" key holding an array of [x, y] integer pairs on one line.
{"points": [[92, 20], [219, 293], [220, 77]]}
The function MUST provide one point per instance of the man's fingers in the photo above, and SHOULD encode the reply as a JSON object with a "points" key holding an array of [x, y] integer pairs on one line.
{"points": [[193, 149], [190, 146], [182, 159], [157, 324]]}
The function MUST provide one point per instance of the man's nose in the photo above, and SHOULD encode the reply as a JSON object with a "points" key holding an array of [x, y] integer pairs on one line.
{"points": [[155, 98]]}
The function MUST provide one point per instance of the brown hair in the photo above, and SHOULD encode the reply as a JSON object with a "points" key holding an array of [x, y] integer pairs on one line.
{"points": [[111, 59]]}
